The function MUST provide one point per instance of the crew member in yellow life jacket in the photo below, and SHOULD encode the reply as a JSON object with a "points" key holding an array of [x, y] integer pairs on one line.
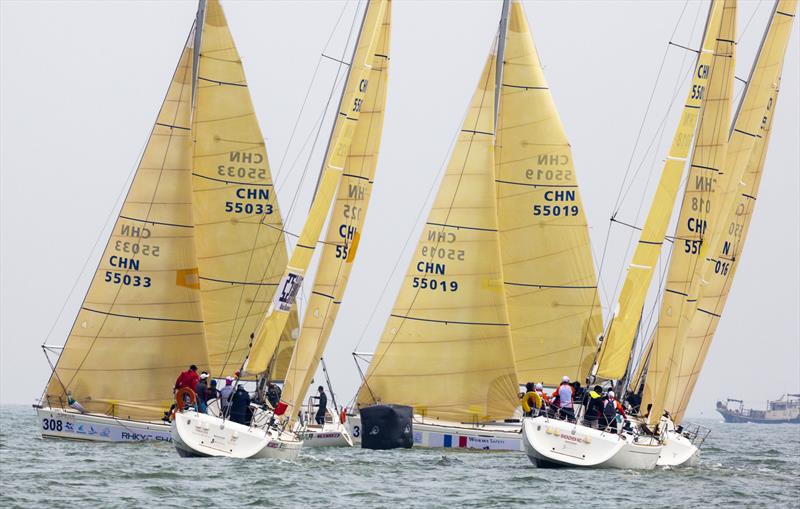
{"points": [[593, 406], [531, 401]]}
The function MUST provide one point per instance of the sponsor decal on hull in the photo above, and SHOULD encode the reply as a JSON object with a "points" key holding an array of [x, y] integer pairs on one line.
{"points": [[55, 425], [449, 441]]}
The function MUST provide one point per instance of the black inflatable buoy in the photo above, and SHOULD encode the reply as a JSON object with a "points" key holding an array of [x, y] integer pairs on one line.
{"points": [[386, 427]]}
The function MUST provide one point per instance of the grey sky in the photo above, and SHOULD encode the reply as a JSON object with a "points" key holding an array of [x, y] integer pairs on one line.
{"points": [[83, 81]]}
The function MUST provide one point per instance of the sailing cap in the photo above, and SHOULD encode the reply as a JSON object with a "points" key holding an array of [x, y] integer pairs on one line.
{"points": [[539, 387], [228, 380], [565, 378], [203, 375], [611, 394]]}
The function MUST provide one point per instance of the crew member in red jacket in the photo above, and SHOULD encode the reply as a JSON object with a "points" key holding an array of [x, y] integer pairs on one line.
{"points": [[187, 379]]}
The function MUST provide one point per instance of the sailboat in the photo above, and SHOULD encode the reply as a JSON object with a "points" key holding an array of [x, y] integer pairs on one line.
{"points": [[698, 284], [346, 173], [196, 246], [712, 200], [502, 284]]}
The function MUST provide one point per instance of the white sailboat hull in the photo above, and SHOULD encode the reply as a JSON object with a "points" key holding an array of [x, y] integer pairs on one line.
{"points": [[61, 423], [331, 434], [678, 451], [454, 435], [204, 435], [554, 443]]}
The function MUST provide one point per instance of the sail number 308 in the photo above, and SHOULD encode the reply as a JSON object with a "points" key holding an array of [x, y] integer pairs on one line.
{"points": [[434, 284]]}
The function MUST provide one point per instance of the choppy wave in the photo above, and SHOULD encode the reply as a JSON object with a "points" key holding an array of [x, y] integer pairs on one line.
{"points": [[739, 466]]}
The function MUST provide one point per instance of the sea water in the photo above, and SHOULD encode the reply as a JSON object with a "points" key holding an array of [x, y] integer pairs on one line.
{"points": [[740, 465]]}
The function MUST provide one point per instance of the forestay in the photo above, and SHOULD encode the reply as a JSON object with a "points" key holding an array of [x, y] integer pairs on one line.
{"points": [[550, 278], [346, 222]]}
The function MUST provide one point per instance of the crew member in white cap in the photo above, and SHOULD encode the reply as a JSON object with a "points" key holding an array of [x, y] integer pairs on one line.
{"points": [[563, 396], [225, 395]]}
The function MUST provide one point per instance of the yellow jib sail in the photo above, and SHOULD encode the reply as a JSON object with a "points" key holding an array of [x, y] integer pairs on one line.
{"points": [[550, 278], [745, 162], [238, 229], [140, 323], [344, 228], [269, 331], [699, 212], [617, 346], [446, 349]]}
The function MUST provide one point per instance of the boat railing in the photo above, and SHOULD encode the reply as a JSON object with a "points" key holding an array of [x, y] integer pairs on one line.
{"points": [[695, 433]]}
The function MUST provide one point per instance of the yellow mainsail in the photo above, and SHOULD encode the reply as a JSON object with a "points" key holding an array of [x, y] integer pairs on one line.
{"points": [[446, 348], [616, 349], [745, 162], [241, 247], [699, 212], [549, 273], [141, 322], [269, 331], [344, 227]]}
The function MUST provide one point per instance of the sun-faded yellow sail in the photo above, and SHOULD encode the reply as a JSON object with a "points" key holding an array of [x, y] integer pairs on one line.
{"points": [[698, 215], [344, 227], [617, 346], [141, 322], [238, 228], [269, 331], [748, 147], [550, 278], [446, 348]]}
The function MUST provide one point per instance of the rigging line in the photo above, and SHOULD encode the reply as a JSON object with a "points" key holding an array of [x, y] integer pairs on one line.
{"points": [[294, 198], [449, 210], [659, 136], [308, 92], [649, 104], [351, 220], [627, 172], [149, 209]]}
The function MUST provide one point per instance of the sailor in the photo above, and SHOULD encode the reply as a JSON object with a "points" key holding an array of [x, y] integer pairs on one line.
{"points": [[201, 391], [273, 394], [564, 393], [225, 395], [74, 404], [239, 405], [609, 415], [531, 401], [593, 403], [187, 379], [323, 404], [212, 392]]}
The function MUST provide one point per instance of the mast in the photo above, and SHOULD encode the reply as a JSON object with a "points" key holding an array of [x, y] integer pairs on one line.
{"points": [[198, 39], [501, 50]]}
